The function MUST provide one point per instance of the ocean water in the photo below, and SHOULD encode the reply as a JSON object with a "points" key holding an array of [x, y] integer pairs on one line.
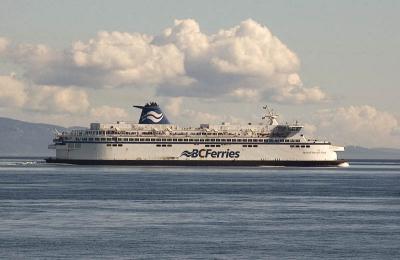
{"points": [[86, 212]]}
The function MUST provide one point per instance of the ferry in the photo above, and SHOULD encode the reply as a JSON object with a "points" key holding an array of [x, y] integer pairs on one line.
{"points": [[154, 141]]}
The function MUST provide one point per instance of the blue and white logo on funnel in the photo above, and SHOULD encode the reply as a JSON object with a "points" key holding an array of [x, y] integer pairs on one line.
{"points": [[152, 114]]}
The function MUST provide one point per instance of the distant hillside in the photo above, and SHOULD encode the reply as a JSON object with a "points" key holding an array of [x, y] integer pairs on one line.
{"points": [[19, 138], [358, 152]]}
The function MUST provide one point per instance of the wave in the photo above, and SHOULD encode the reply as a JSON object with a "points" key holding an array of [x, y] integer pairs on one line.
{"points": [[21, 162]]}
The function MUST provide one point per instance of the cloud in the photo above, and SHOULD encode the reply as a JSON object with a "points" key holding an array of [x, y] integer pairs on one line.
{"points": [[108, 113], [53, 99], [60, 105], [193, 116], [173, 106], [48, 99], [31, 55], [245, 62], [12, 92], [129, 59], [359, 125], [4, 42]]}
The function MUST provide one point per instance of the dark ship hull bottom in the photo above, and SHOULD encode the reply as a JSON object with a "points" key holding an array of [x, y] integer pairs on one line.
{"points": [[334, 163]]}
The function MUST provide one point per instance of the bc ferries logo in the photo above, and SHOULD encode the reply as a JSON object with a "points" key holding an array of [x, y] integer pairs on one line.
{"points": [[207, 153], [153, 116]]}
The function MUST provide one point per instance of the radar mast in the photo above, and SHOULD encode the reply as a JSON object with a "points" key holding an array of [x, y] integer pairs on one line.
{"points": [[271, 116]]}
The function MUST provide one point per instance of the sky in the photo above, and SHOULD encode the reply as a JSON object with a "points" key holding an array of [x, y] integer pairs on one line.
{"points": [[331, 65]]}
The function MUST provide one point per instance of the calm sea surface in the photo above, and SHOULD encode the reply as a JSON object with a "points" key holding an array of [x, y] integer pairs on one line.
{"points": [[82, 212]]}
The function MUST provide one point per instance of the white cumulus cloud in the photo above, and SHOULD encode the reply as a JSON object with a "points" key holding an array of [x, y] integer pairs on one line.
{"points": [[53, 99], [173, 106], [12, 92], [49, 99], [359, 125], [245, 62]]}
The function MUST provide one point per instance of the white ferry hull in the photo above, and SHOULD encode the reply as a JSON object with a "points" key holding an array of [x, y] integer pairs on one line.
{"points": [[197, 154], [224, 163]]}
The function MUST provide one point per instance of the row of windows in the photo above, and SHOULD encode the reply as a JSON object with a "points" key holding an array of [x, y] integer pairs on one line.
{"points": [[211, 145], [95, 132], [114, 144], [254, 145], [298, 146], [247, 140], [164, 145]]}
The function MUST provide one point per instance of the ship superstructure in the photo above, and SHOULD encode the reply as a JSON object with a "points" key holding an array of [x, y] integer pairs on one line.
{"points": [[155, 141]]}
